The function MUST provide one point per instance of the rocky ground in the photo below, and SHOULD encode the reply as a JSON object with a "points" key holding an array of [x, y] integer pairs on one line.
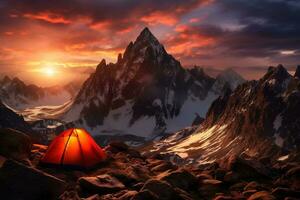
{"points": [[128, 175]]}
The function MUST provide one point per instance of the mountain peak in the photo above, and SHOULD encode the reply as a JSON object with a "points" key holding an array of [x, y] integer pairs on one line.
{"points": [[229, 74], [146, 32], [101, 64], [278, 72], [145, 44], [146, 35], [6, 79], [297, 73]]}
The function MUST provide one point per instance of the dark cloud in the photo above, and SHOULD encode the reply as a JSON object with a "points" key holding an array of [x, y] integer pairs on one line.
{"points": [[269, 26], [258, 30], [220, 33], [118, 13]]}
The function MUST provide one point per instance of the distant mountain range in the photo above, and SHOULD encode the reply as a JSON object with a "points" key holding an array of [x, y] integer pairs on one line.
{"points": [[18, 95], [259, 119], [146, 92]]}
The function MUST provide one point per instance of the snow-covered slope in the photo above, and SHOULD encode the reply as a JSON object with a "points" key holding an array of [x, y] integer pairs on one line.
{"points": [[145, 93], [258, 115]]}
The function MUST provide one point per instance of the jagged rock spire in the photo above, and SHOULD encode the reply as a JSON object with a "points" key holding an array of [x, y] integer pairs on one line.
{"points": [[278, 72], [297, 73], [101, 64]]}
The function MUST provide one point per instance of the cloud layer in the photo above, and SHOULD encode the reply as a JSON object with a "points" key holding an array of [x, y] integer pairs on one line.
{"points": [[218, 33]]}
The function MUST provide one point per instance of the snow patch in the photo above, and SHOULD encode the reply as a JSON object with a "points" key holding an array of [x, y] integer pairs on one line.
{"points": [[283, 158], [277, 122], [278, 140], [205, 139], [188, 110]]}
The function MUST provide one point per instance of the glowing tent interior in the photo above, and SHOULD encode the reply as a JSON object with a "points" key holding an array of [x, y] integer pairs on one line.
{"points": [[75, 148]]}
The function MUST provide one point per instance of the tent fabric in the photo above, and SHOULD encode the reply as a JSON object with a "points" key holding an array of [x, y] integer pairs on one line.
{"points": [[74, 147]]}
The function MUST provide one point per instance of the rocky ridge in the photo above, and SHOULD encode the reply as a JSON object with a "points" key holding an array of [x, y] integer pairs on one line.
{"points": [[257, 115]]}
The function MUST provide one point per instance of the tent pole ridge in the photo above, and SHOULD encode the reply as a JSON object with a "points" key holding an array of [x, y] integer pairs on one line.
{"points": [[96, 152], [63, 155], [81, 151]]}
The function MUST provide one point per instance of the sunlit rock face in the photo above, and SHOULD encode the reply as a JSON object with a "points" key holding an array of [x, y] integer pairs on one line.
{"points": [[259, 118], [146, 92]]}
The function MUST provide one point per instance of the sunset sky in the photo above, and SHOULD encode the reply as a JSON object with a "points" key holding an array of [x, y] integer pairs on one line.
{"points": [[71, 36]]}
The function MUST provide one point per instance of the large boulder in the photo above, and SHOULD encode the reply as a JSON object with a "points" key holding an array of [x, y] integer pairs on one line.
{"points": [[161, 189], [14, 144], [281, 193], [144, 195], [164, 166], [181, 179], [127, 176], [253, 185], [209, 187], [121, 195], [293, 176], [262, 195], [101, 184], [117, 146], [18, 181], [247, 169]]}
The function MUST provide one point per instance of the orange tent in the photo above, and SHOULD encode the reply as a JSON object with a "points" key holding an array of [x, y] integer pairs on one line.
{"points": [[74, 147]]}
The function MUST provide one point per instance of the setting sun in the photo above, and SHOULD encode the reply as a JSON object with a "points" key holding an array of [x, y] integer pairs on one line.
{"points": [[49, 71]]}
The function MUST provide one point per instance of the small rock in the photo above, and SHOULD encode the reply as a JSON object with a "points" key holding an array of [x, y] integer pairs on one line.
{"points": [[248, 193], [248, 169], [222, 197], [69, 195], [94, 197], [231, 177], [161, 189], [134, 153], [102, 184], [262, 195], [154, 162], [181, 179], [253, 186], [138, 186], [185, 195], [220, 174], [117, 146], [127, 195], [293, 175], [281, 193], [122, 195], [238, 186], [126, 176], [202, 176], [163, 167], [210, 187], [144, 195], [2, 160]]}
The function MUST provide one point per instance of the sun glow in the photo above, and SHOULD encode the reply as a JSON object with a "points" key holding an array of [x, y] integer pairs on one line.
{"points": [[49, 71]]}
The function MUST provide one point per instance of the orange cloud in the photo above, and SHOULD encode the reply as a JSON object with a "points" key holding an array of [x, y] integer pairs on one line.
{"points": [[186, 40], [48, 17], [194, 20], [9, 33], [160, 18]]}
